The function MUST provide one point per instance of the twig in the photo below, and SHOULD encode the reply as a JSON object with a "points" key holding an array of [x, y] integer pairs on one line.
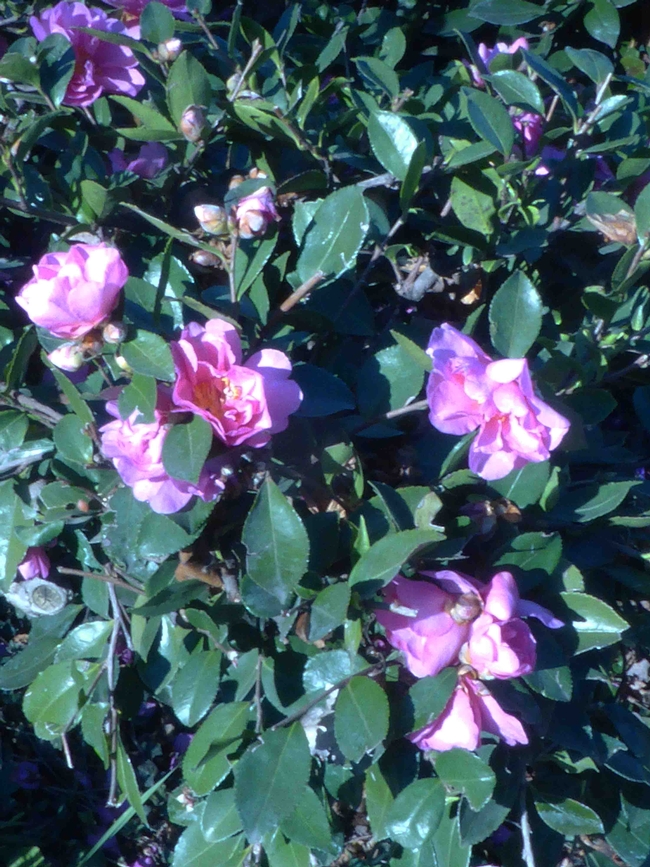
{"points": [[365, 672], [416, 406], [66, 750], [112, 681], [109, 579], [45, 414], [204, 27], [259, 716], [551, 108], [256, 50], [635, 261], [640, 361], [9, 161], [527, 846], [234, 244], [43, 213]]}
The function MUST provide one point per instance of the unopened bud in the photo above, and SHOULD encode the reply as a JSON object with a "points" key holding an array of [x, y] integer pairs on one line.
{"points": [[205, 259], [114, 332], [212, 218], [466, 608], [235, 181], [67, 357], [255, 174], [192, 123], [170, 49], [92, 343], [122, 363]]}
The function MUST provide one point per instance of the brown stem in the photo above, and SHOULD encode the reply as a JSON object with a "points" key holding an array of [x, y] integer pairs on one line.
{"points": [[45, 414], [416, 406], [259, 717], [112, 682], [109, 579], [256, 50]]}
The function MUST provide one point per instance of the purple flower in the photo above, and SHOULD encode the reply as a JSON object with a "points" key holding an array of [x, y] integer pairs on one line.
{"points": [[150, 161], [100, 67], [529, 125], [26, 775], [134, 7], [487, 55], [35, 564]]}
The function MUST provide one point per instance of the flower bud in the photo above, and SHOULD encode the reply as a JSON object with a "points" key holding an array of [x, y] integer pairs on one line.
{"points": [[235, 181], [122, 363], [170, 49], [205, 259], [114, 332], [68, 357], [92, 343], [212, 218], [192, 123]]}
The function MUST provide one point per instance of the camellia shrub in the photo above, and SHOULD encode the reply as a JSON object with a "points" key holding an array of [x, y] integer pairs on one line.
{"points": [[324, 433]]}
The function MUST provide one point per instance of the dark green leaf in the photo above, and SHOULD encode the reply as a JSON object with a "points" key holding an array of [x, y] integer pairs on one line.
{"points": [[276, 542], [20, 670], [150, 355], [220, 818], [156, 23], [525, 486], [381, 563], [329, 610], [603, 22], [642, 213], [596, 624], [413, 175], [490, 121], [54, 696], [205, 763], [393, 142], [514, 88], [587, 503], [195, 686], [515, 316], [430, 695], [324, 393], [56, 61], [594, 64], [473, 207], [186, 448], [270, 780], [128, 781], [554, 80], [466, 773], [12, 550], [378, 801], [510, 12], [569, 817], [416, 813], [378, 75], [308, 823], [140, 394], [361, 720], [188, 84]]}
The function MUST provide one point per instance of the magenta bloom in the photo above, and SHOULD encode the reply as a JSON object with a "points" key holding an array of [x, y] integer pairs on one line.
{"points": [[35, 564], [487, 55], [136, 452], [135, 7], [467, 390], [460, 619], [72, 293], [243, 403], [470, 710], [254, 213], [100, 67], [150, 161], [529, 125]]}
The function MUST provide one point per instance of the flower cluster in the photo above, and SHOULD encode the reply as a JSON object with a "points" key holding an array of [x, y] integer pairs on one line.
{"points": [[468, 391], [100, 66], [458, 620], [249, 217]]}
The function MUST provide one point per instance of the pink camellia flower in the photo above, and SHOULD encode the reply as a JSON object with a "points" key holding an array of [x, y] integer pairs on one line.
{"points": [[459, 617], [150, 161], [487, 55], [136, 451], [100, 67], [72, 293], [254, 213], [35, 564], [470, 710], [243, 403], [468, 390]]}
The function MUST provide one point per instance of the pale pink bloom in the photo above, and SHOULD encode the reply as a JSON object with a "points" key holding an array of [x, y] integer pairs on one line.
{"points": [[435, 624], [254, 213], [35, 563], [135, 7], [529, 125], [100, 66], [150, 161], [72, 293], [487, 55], [136, 451], [243, 403], [467, 390], [68, 356], [470, 710]]}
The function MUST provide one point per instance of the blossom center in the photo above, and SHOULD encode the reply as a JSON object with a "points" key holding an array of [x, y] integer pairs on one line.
{"points": [[214, 394]]}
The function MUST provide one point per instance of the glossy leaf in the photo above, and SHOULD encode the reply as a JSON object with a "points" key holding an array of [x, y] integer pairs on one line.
{"points": [[515, 316], [361, 720]]}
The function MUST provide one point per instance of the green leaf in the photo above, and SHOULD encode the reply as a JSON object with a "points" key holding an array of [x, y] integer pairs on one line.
{"points": [[554, 80], [413, 175], [16, 369], [569, 817], [430, 695], [149, 117], [413, 350], [393, 142], [514, 88], [276, 542], [186, 448], [195, 686], [205, 763], [388, 380], [77, 404], [335, 235], [156, 23], [515, 316], [381, 563], [473, 207], [141, 394], [328, 610], [590, 502], [416, 813], [128, 782], [361, 720], [12, 550], [510, 12], [603, 22], [324, 393], [308, 823], [378, 801], [56, 61], [378, 75], [187, 84], [281, 853], [594, 64], [193, 850], [598, 624], [448, 847], [270, 780], [20, 670], [150, 355], [490, 120], [525, 486], [220, 818], [86, 641], [465, 772], [642, 213], [71, 440], [54, 696]]}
